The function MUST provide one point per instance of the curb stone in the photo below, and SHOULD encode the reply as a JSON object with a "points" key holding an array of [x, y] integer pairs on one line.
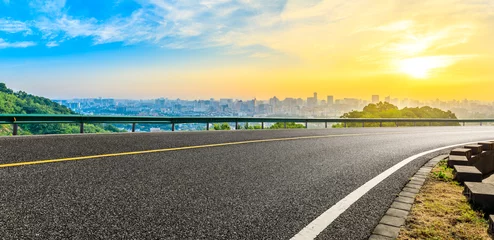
{"points": [[394, 219]]}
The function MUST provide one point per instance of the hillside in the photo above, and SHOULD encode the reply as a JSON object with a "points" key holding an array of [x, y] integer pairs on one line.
{"points": [[23, 103], [387, 110]]}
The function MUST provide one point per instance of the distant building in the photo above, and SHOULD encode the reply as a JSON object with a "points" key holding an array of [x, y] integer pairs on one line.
{"points": [[375, 98], [387, 99], [330, 100], [312, 101], [274, 101]]}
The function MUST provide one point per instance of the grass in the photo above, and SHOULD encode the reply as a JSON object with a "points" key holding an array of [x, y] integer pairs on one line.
{"points": [[441, 211]]}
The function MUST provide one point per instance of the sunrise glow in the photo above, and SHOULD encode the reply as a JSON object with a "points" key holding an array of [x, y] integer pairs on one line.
{"points": [[288, 48]]}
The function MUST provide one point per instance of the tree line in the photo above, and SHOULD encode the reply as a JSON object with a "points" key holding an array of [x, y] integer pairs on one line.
{"points": [[23, 103]]}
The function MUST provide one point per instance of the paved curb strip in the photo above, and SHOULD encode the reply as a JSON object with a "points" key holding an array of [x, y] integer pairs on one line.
{"points": [[389, 226]]}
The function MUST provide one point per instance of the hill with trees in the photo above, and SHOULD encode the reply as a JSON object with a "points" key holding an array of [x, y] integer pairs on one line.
{"points": [[387, 110], [23, 103]]}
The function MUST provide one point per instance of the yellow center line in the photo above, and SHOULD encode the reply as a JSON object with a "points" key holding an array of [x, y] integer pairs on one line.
{"points": [[17, 164]]}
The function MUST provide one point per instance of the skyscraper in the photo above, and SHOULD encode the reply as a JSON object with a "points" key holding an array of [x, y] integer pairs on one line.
{"points": [[330, 100], [375, 98]]}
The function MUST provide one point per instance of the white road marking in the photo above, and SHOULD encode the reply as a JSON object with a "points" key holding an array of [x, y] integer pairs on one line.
{"points": [[314, 228]]}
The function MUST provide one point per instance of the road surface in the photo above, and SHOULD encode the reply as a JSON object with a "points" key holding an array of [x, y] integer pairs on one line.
{"points": [[207, 185]]}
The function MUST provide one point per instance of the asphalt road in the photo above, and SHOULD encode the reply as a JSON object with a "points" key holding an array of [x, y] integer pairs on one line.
{"points": [[257, 190]]}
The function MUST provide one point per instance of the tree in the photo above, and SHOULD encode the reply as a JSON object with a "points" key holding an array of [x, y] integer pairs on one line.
{"points": [[23, 103], [387, 110], [223, 126]]}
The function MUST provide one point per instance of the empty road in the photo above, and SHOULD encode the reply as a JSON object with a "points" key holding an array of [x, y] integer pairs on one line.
{"points": [[207, 185]]}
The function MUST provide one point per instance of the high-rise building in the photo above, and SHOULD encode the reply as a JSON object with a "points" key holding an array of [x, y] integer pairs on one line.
{"points": [[330, 100], [312, 101], [375, 98]]}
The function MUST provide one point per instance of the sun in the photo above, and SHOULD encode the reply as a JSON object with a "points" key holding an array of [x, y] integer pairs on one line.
{"points": [[421, 67]]}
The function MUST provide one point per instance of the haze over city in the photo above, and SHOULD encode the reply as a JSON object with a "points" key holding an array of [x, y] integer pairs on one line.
{"points": [[248, 49]]}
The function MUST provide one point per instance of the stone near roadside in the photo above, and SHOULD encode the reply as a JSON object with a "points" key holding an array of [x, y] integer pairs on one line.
{"points": [[487, 146], [485, 163], [481, 195], [412, 190], [407, 194], [476, 148], [397, 213], [392, 221], [405, 200], [414, 186], [467, 174], [457, 160], [388, 231], [402, 206], [416, 182], [475, 159], [461, 152]]}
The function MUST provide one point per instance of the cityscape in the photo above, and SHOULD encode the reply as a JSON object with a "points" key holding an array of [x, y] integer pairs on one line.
{"points": [[313, 106]]}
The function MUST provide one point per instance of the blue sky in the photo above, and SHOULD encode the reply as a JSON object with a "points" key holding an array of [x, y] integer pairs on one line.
{"points": [[209, 48]]}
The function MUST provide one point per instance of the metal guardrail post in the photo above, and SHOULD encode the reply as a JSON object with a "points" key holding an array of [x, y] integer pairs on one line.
{"points": [[345, 124], [262, 125], [207, 126], [285, 125], [481, 124], [133, 127], [15, 129], [173, 127], [306, 124], [236, 125], [326, 124], [396, 123], [380, 124], [463, 124], [81, 131], [363, 124]]}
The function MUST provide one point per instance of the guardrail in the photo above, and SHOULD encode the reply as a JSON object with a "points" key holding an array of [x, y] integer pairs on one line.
{"points": [[16, 119]]}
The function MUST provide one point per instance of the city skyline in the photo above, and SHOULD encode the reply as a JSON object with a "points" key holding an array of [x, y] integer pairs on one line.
{"points": [[311, 106], [248, 48]]}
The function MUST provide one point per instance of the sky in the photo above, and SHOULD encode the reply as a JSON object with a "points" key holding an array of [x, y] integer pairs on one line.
{"points": [[201, 49]]}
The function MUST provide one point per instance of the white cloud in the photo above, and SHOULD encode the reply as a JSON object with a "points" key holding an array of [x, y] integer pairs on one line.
{"points": [[25, 44], [308, 29], [52, 44], [12, 26], [48, 6]]}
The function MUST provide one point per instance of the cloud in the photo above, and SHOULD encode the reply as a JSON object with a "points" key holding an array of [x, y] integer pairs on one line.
{"points": [[315, 31], [25, 44], [48, 6], [12, 26], [52, 44], [6, 2]]}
